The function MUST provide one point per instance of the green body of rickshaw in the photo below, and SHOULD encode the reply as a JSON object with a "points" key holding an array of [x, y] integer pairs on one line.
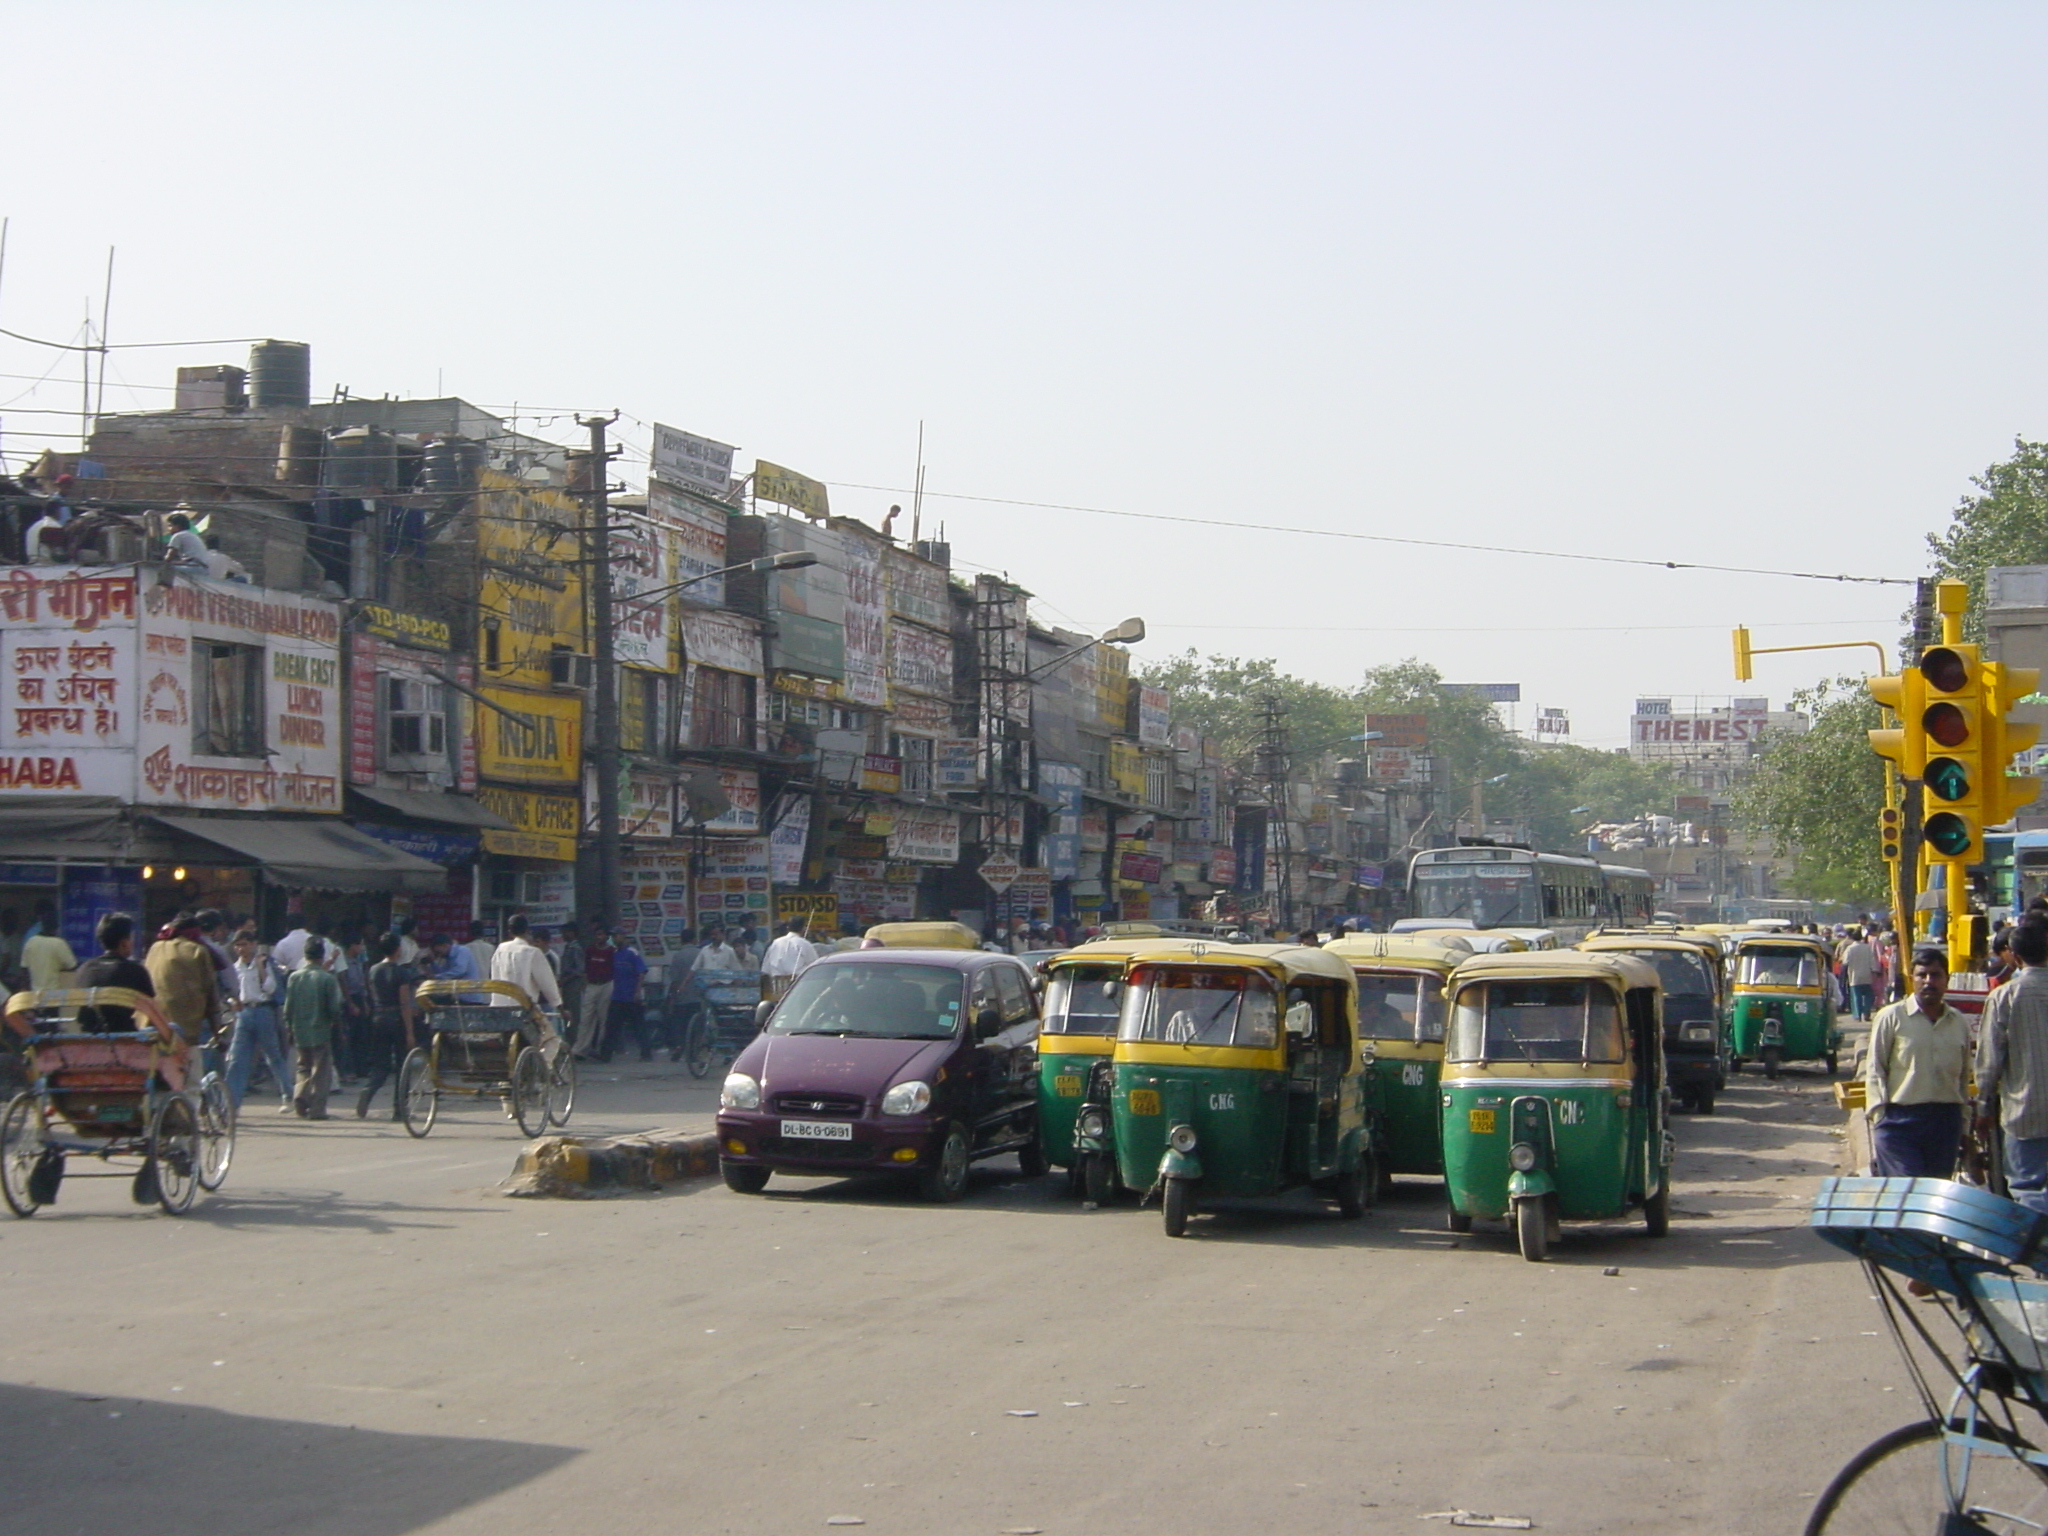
{"points": [[1238, 1072], [1077, 1032], [1553, 1094], [1781, 1005], [1400, 982]]}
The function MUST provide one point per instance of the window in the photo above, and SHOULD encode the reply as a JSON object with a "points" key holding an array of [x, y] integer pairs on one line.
{"points": [[1158, 779], [415, 724], [1082, 1000], [885, 999], [639, 710], [1778, 968], [492, 656], [915, 753], [1185, 1006], [721, 709], [227, 699], [1013, 993], [1535, 1021], [794, 709], [1392, 1006]]}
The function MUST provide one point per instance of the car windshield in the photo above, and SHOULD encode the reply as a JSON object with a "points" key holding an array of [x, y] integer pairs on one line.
{"points": [[1535, 1021], [1182, 1005], [1492, 895], [1400, 1007], [1082, 1000], [889, 1000], [1786, 967], [1681, 973]]}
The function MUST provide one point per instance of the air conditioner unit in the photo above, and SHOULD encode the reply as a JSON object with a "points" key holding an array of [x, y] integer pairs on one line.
{"points": [[571, 670]]}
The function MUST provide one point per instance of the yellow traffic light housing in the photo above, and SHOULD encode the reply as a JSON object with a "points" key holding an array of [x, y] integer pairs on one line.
{"points": [[1904, 696], [1742, 662], [1890, 834], [1951, 727], [2005, 738]]}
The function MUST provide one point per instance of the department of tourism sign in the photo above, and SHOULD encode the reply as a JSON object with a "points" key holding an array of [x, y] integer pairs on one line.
{"points": [[696, 463]]}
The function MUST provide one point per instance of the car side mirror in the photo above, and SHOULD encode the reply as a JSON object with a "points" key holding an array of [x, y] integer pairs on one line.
{"points": [[988, 1023], [761, 1011]]}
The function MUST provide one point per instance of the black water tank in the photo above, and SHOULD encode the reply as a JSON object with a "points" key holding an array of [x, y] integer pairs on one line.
{"points": [[452, 466], [280, 374]]}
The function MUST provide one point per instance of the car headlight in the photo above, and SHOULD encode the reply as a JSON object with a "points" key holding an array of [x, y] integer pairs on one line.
{"points": [[907, 1099], [1092, 1123], [1699, 1032], [740, 1092], [1522, 1157], [1182, 1139]]}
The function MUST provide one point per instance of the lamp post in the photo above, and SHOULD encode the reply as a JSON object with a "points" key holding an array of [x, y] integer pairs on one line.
{"points": [[604, 747]]}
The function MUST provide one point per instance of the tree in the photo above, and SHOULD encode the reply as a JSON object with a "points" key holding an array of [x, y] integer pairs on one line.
{"points": [[2004, 523], [1221, 696], [1816, 796]]}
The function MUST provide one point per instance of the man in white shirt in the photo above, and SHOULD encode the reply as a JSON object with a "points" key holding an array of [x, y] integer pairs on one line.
{"points": [[1859, 969], [187, 548], [290, 951], [47, 957], [519, 962], [716, 955], [786, 959], [480, 947]]}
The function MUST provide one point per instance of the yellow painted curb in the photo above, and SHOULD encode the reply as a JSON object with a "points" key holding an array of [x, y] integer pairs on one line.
{"points": [[571, 1167]]}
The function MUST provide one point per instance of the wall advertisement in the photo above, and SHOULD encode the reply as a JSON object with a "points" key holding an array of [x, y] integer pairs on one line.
{"points": [[958, 763], [528, 578], [920, 660], [640, 565], [733, 886], [742, 790], [866, 653], [696, 535], [1126, 767], [789, 833], [543, 826], [1154, 707], [808, 605], [1061, 845], [923, 836], [69, 664], [702, 464], [724, 640], [654, 899], [373, 664], [546, 749], [917, 589]]}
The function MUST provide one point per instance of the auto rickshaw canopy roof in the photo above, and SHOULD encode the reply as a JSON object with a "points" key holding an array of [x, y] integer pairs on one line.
{"points": [[1289, 960], [1624, 971], [1104, 951], [1765, 938], [1704, 945], [1433, 952], [924, 936]]}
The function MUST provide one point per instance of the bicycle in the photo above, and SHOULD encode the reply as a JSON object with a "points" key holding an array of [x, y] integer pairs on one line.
{"points": [[1973, 1461]]}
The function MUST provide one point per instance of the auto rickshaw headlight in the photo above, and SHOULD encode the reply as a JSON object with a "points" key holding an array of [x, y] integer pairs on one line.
{"points": [[1699, 1031], [740, 1092], [1092, 1122], [912, 1098], [1522, 1157], [1182, 1139]]}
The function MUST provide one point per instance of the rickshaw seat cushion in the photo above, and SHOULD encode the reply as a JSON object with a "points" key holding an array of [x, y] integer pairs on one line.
{"points": [[1933, 1230]]}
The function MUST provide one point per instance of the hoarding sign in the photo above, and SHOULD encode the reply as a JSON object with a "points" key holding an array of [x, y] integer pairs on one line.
{"points": [[923, 836], [788, 834], [543, 826], [1154, 705], [774, 483], [700, 463], [696, 539], [958, 763], [1409, 732]]}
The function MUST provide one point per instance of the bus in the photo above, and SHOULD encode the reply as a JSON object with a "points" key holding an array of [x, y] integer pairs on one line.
{"points": [[1631, 896], [1498, 886]]}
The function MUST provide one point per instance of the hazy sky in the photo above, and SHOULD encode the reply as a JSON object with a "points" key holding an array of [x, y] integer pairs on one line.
{"points": [[1752, 285]]}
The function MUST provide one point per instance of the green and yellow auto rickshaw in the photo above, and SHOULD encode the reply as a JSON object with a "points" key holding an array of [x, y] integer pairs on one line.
{"points": [[1553, 1094], [1077, 1031], [1401, 1011], [1238, 1072], [1695, 1030], [1781, 1001]]}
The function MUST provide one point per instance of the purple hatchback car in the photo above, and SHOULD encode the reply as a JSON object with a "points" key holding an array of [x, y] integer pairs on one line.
{"points": [[914, 1061]]}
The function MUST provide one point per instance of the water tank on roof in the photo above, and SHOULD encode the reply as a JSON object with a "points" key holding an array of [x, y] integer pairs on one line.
{"points": [[452, 465], [359, 460], [280, 374], [937, 551]]}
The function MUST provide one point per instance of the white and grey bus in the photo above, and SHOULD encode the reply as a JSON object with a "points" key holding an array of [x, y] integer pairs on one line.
{"points": [[1493, 886]]}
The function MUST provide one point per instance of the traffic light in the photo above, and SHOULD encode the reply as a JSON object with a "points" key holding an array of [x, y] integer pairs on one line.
{"points": [[1742, 663], [1889, 833], [1951, 723], [1904, 745], [2005, 738]]}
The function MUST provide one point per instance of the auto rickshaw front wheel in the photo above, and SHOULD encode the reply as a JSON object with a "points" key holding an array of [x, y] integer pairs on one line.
{"points": [[1031, 1159], [1355, 1190], [1175, 1201], [1098, 1178], [1657, 1211], [1457, 1220], [1773, 1058], [1532, 1227]]}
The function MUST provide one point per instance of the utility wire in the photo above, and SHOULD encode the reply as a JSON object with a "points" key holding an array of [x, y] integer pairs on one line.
{"points": [[126, 346], [1384, 538]]}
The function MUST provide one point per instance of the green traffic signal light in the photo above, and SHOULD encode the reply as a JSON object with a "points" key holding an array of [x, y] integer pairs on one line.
{"points": [[1948, 835], [1946, 779]]}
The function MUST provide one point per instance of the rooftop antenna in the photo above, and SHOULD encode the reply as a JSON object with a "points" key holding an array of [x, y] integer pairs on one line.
{"points": [[106, 303], [917, 492]]}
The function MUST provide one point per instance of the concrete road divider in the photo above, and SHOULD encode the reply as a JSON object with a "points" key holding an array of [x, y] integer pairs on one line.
{"points": [[571, 1167]]}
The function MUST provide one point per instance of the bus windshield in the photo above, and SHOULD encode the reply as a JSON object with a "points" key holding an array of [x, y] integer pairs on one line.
{"points": [[1535, 1021], [1492, 895], [1396, 1007], [1082, 1000], [1180, 1005], [1778, 968]]}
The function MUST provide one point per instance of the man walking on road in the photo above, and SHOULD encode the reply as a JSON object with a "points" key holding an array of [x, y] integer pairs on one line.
{"points": [[312, 1012], [519, 962], [255, 1033], [597, 992], [1859, 970], [390, 1032], [1919, 1048], [787, 958], [2012, 1067], [187, 988]]}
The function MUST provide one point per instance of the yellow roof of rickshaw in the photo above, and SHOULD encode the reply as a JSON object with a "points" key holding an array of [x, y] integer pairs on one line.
{"points": [[457, 992], [1479, 940], [1558, 965], [1101, 950], [1650, 938], [1290, 960], [924, 936], [1778, 939], [1363, 950], [1534, 937], [28, 1003]]}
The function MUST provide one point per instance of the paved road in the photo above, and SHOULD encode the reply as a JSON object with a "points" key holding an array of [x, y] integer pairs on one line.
{"points": [[360, 1336]]}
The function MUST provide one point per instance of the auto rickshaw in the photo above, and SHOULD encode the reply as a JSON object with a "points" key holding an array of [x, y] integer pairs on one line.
{"points": [[1781, 1007], [1553, 1094], [1695, 1036], [1077, 1032], [1238, 1072], [1401, 1011]]}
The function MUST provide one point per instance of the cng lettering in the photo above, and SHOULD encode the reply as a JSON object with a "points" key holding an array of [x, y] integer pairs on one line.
{"points": [[1223, 1101]]}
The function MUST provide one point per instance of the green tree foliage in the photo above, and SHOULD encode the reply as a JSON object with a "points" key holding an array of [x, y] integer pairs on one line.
{"points": [[2004, 523], [1816, 796], [1221, 696]]}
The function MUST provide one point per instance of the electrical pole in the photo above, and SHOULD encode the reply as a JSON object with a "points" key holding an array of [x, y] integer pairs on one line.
{"points": [[604, 720], [1271, 765]]}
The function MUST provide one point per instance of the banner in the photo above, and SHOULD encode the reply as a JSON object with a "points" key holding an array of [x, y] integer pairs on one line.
{"points": [[699, 463], [774, 483], [789, 833]]}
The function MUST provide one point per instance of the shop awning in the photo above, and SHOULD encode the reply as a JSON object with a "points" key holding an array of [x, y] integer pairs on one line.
{"points": [[94, 830], [315, 855], [448, 810]]}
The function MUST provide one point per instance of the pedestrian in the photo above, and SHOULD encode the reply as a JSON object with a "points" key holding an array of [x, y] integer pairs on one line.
{"points": [[391, 1025], [628, 1014], [2012, 1067], [568, 963], [447, 960], [312, 1012], [114, 966], [254, 1033], [290, 951], [680, 1004], [408, 945], [187, 986], [1859, 970], [12, 976], [788, 957], [1919, 1049], [594, 1014], [716, 955], [46, 956], [526, 966], [353, 1053], [481, 948]]}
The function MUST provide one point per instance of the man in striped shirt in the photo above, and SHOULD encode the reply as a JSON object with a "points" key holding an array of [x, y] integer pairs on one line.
{"points": [[2012, 1066]]}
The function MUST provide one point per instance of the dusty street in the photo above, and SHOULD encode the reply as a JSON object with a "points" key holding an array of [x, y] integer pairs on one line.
{"points": [[360, 1335]]}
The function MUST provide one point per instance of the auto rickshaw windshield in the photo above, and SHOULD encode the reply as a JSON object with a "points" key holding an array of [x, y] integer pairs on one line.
{"points": [[885, 1001], [1082, 1000], [1682, 974], [1178, 1005], [1535, 1021], [1788, 967], [1392, 1007]]}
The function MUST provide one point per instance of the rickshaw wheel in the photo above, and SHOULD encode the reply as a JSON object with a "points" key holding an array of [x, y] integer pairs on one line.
{"points": [[1831, 1063], [216, 1132], [1703, 1102], [21, 1151], [530, 1092], [1532, 1229], [944, 1179], [1355, 1189], [174, 1154], [1077, 1179], [1735, 1066], [1657, 1211], [417, 1101], [1098, 1178], [562, 1086], [699, 1049], [1457, 1220], [1174, 1202], [1772, 1058], [1031, 1159]]}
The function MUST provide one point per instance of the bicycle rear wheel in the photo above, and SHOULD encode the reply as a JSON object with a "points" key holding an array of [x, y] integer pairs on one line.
{"points": [[1904, 1483]]}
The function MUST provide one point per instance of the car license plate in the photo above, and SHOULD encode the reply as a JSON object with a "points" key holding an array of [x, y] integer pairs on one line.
{"points": [[1144, 1101], [1067, 1084], [818, 1130]]}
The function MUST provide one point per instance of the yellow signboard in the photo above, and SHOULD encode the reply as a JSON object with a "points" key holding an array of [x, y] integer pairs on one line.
{"points": [[548, 749], [1112, 688], [1126, 767], [543, 826], [531, 597], [774, 483]]}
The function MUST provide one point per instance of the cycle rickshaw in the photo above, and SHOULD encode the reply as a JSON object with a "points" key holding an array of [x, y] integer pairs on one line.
{"points": [[511, 1051], [725, 1020], [131, 1091]]}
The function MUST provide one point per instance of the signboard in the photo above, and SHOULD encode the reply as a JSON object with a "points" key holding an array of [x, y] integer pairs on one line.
{"points": [[1396, 765], [89, 895], [807, 604], [532, 593], [1371, 876], [639, 555], [723, 640], [917, 589], [957, 764], [1154, 705], [733, 887], [866, 679], [742, 790], [820, 907], [68, 666], [923, 836], [1410, 732], [654, 898], [696, 542], [545, 748], [1126, 767], [1222, 867], [1061, 844], [881, 775], [1492, 693], [1554, 722], [403, 628], [1717, 730], [699, 463], [543, 826], [443, 848], [1248, 843], [774, 483], [1140, 868], [920, 660], [647, 804], [788, 834], [553, 901], [999, 874]]}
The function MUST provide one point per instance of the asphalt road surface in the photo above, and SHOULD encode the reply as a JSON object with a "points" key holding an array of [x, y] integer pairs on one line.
{"points": [[361, 1335]]}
